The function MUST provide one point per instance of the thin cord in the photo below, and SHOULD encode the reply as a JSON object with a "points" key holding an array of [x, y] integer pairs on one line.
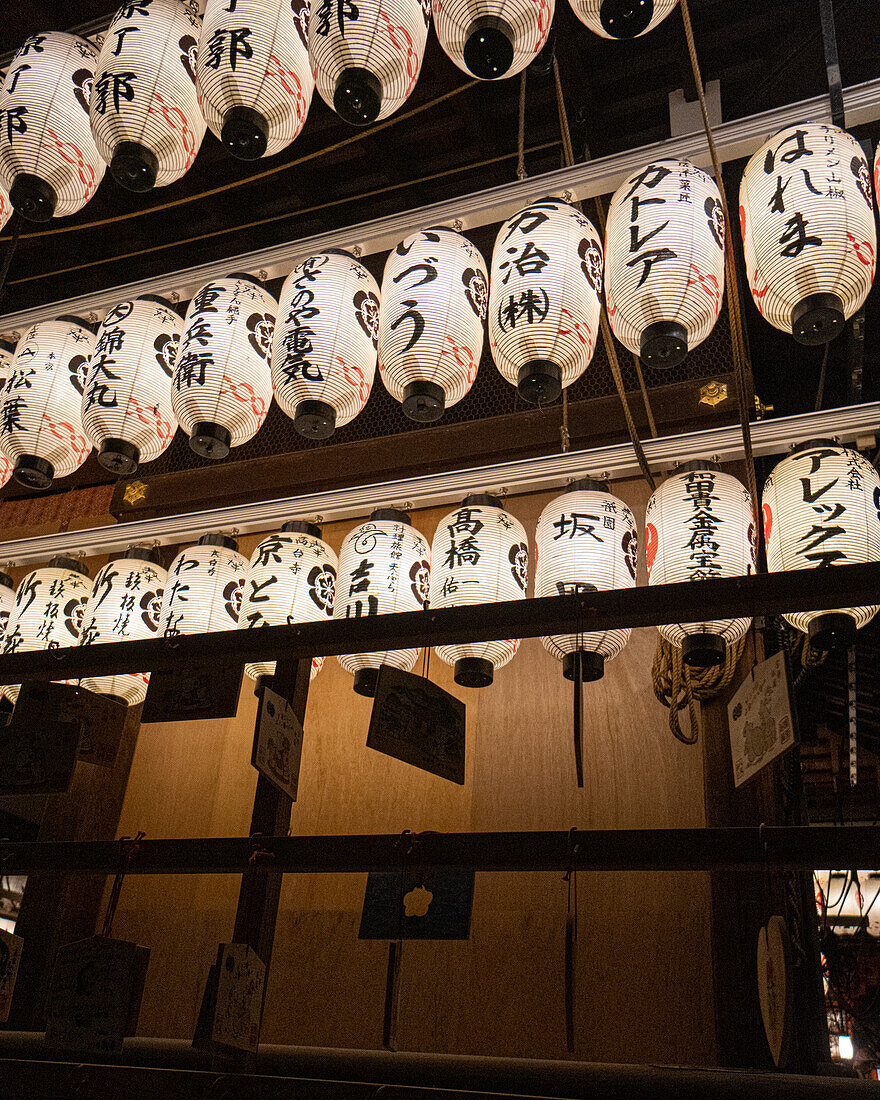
{"points": [[820, 391], [648, 411]]}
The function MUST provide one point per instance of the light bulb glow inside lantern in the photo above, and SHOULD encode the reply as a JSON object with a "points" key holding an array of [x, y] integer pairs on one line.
{"points": [[491, 39], [204, 588], [621, 18]]}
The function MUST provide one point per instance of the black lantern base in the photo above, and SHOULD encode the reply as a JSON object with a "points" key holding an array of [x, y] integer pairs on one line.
{"points": [[134, 166], [488, 47], [625, 18], [315, 419], [210, 440], [474, 672], [424, 401], [260, 682], [34, 198], [817, 319], [33, 472], [833, 630], [245, 133], [703, 650], [358, 96], [119, 457], [365, 681], [592, 665], [116, 699], [663, 344], [539, 382]]}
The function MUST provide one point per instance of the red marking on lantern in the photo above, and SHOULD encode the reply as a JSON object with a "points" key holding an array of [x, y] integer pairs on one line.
{"points": [[713, 291], [68, 434], [85, 171], [868, 260], [768, 521], [468, 362], [742, 223], [244, 393], [543, 22], [294, 89], [358, 383], [188, 137], [151, 417], [576, 329], [652, 542], [405, 47], [758, 294]]}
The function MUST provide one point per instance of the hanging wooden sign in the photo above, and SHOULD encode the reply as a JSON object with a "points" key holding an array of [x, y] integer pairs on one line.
{"points": [[10, 956], [232, 1004], [774, 987], [417, 905], [38, 747], [278, 742], [759, 718], [190, 694]]}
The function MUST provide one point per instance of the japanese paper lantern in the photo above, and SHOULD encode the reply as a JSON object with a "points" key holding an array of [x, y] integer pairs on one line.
{"points": [[7, 601], [366, 56], [621, 18], [324, 348], [7, 351], [204, 588], [699, 526], [821, 508], [254, 76], [434, 292], [221, 387], [586, 541], [126, 402], [544, 298], [291, 579], [124, 606], [807, 224], [490, 39], [41, 429], [48, 611], [664, 261], [480, 555], [384, 567], [144, 108]]}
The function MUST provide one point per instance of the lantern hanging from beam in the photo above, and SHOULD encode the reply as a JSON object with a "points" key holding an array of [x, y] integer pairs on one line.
{"points": [[431, 315], [490, 39], [664, 261], [807, 222], [204, 588], [254, 76], [544, 298], [821, 508], [621, 18], [324, 348], [384, 567], [221, 387], [480, 555]]}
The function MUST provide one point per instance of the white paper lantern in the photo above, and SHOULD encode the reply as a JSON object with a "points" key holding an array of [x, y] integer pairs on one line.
{"points": [[7, 601], [254, 76], [821, 508], [221, 388], [621, 18], [480, 555], [7, 352], [586, 541], [144, 109], [544, 298], [41, 429], [434, 293], [324, 348], [48, 611], [204, 588], [366, 56], [699, 526], [664, 261], [124, 606], [807, 224], [384, 567], [490, 39]]}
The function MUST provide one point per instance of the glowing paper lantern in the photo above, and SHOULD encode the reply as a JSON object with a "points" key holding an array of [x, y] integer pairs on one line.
{"points": [[41, 429], [586, 541], [384, 567], [544, 298], [699, 526], [807, 223], [434, 292], [124, 606], [126, 402], [621, 18], [664, 261], [492, 38], [821, 508], [48, 160], [480, 555], [254, 76], [144, 109], [204, 588], [366, 56], [324, 348], [221, 388]]}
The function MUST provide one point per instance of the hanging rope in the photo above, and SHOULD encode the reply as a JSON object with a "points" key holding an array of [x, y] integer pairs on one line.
{"points": [[678, 687]]}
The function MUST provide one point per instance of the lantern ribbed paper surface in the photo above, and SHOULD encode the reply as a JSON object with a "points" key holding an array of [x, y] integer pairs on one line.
{"points": [[49, 163], [222, 383], [7, 602], [324, 348], [144, 108], [807, 223], [586, 541], [664, 261], [41, 429], [544, 298], [204, 588], [434, 293], [5, 207], [621, 18], [384, 567], [480, 555], [699, 526], [126, 403], [254, 75], [491, 39], [7, 352], [821, 508], [124, 606], [366, 57]]}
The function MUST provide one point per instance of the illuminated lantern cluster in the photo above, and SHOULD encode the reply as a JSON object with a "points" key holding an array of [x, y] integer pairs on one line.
{"points": [[254, 76], [204, 588], [664, 261], [480, 555], [434, 293], [586, 541], [490, 39], [821, 508], [324, 348], [384, 567], [621, 18], [544, 298], [698, 527], [126, 402], [221, 388], [48, 160], [41, 429], [124, 606], [807, 221]]}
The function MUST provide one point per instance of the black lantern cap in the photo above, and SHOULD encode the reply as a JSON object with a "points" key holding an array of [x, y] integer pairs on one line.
{"points": [[482, 500], [473, 672], [301, 527], [703, 650], [6, 581], [72, 319], [365, 681], [833, 630], [33, 472], [358, 96], [151, 554], [246, 275], [156, 298], [539, 381], [215, 539], [210, 440], [809, 444], [694, 464], [341, 252], [315, 419], [392, 515], [488, 47], [119, 457], [134, 166], [423, 401], [592, 666], [245, 133], [625, 18], [62, 561], [587, 485], [817, 319], [664, 344], [34, 198]]}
